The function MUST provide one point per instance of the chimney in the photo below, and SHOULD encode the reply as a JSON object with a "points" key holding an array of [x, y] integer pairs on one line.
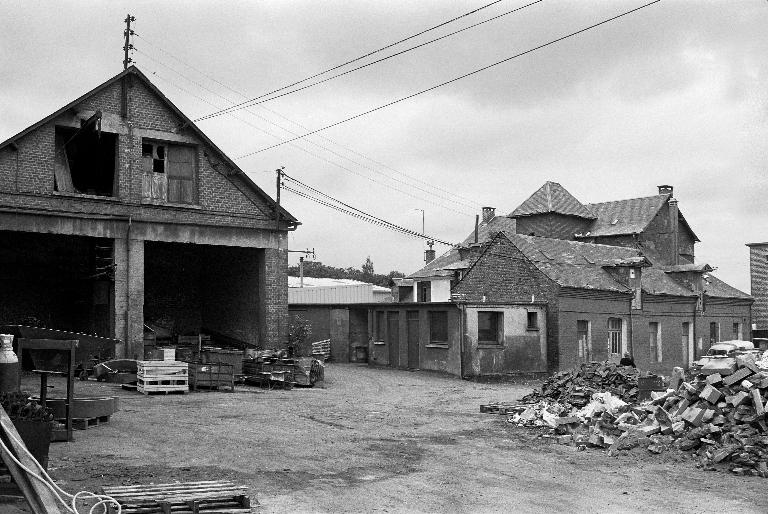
{"points": [[673, 228], [429, 255], [488, 214], [666, 190]]}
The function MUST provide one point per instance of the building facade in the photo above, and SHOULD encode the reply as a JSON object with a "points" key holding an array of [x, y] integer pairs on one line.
{"points": [[117, 212], [614, 278]]}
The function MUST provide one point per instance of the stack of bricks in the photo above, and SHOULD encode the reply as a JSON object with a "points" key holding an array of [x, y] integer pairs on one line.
{"points": [[720, 419]]}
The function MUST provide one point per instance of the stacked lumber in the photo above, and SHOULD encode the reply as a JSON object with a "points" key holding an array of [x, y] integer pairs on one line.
{"points": [[720, 419], [575, 387]]}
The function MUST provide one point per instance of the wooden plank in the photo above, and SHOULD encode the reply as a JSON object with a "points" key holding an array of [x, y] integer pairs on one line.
{"points": [[39, 497]]}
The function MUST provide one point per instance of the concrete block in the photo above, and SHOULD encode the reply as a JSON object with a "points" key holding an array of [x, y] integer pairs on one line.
{"points": [[714, 379], [739, 398], [693, 415], [738, 376], [710, 394]]}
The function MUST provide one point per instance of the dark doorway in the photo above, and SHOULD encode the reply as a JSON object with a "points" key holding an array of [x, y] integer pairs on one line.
{"points": [[393, 338], [413, 339]]}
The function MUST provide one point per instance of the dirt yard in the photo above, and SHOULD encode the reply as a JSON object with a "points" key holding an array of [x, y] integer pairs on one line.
{"points": [[379, 440]]}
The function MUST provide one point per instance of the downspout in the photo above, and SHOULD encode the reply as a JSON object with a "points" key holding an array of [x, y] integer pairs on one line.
{"points": [[462, 316], [127, 285], [629, 330]]}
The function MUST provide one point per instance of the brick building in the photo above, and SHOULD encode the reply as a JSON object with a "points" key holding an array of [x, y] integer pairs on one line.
{"points": [[116, 211], [758, 272], [613, 277]]}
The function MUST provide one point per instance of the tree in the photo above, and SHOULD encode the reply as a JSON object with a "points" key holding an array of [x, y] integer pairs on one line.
{"points": [[368, 267]]}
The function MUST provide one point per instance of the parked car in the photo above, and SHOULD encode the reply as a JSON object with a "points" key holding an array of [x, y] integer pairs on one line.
{"points": [[721, 357]]}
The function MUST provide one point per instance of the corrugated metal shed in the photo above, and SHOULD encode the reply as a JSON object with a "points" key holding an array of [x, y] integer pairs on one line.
{"points": [[335, 291]]}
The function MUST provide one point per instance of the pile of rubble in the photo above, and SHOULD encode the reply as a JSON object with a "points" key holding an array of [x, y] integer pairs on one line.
{"points": [[576, 387], [721, 419]]}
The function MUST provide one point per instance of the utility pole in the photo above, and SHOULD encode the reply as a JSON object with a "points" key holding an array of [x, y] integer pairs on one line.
{"points": [[279, 171], [306, 252], [128, 45]]}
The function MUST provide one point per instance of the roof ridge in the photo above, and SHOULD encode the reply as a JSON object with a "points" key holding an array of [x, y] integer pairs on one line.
{"points": [[627, 199]]}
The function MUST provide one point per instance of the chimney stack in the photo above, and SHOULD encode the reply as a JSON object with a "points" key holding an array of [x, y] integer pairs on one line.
{"points": [[488, 214], [665, 190], [429, 255]]}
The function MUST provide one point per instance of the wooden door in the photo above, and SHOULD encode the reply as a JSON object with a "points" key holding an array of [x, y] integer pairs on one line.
{"points": [[412, 330], [393, 338]]}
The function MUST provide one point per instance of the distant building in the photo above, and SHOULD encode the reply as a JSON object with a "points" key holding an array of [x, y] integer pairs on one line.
{"points": [[610, 277], [336, 309], [758, 272]]}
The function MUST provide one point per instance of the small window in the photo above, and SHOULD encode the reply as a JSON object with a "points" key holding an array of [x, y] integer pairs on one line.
{"points": [[614, 336], [533, 320], [714, 333], [380, 326], [424, 290], [490, 327], [737, 331], [654, 340], [438, 327]]}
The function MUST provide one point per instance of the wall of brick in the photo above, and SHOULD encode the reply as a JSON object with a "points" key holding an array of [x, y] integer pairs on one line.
{"points": [[670, 314], [129, 297], [504, 275], [758, 272], [273, 299]]}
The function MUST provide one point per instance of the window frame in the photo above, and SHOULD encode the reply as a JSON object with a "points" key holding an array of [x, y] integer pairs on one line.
{"points": [[655, 342], [380, 328], [618, 339], [497, 318], [164, 176], [528, 325], [424, 288], [584, 347], [435, 322]]}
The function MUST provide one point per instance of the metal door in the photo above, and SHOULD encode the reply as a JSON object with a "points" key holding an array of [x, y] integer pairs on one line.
{"points": [[412, 328], [393, 338]]}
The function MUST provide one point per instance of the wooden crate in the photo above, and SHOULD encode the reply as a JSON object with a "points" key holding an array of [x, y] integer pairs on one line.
{"points": [[162, 377], [211, 375], [215, 355]]}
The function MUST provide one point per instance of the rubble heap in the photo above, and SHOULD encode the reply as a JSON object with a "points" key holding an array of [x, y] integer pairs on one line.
{"points": [[720, 418], [575, 387]]}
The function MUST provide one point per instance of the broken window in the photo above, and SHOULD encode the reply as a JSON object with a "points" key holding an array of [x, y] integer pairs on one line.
{"points": [[85, 159], [169, 172]]}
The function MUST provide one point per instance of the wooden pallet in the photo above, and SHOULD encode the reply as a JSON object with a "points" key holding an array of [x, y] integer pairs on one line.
{"points": [[86, 423], [206, 497], [162, 377]]}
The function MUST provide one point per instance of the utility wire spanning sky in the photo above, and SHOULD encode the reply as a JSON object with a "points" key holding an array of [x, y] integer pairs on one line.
{"points": [[672, 94]]}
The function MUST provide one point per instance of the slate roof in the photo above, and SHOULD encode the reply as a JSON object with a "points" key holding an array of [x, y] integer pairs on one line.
{"points": [[716, 288], [485, 230], [552, 197], [133, 70], [625, 216]]}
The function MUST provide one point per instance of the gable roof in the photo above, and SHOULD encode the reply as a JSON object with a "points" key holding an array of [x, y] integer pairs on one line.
{"points": [[187, 123], [632, 216], [552, 197]]}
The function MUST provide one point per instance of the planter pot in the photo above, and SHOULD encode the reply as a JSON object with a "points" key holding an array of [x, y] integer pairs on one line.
{"points": [[36, 436]]}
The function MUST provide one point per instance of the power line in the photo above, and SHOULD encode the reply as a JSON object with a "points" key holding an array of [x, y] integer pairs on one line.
{"points": [[414, 179], [403, 191], [254, 101], [390, 45], [356, 213], [456, 79]]}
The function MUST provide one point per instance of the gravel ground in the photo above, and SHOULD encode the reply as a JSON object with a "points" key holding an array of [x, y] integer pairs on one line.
{"points": [[378, 440]]}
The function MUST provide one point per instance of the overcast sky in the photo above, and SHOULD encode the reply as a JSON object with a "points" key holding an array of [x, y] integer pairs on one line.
{"points": [[672, 94]]}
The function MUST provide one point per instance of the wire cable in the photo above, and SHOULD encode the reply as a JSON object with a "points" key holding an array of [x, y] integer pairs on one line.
{"points": [[469, 201], [455, 79], [257, 100], [340, 166]]}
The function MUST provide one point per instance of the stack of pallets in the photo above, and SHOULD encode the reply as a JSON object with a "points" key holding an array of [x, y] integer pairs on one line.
{"points": [[321, 350], [162, 377], [212, 496]]}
